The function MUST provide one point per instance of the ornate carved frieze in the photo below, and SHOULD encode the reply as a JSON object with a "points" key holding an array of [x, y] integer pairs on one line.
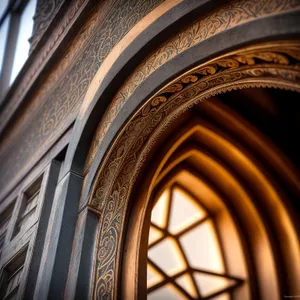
{"points": [[267, 65], [228, 16], [54, 108], [42, 57]]}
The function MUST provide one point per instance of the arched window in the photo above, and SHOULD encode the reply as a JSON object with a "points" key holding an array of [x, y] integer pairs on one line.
{"points": [[211, 217], [185, 258], [208, 234]]}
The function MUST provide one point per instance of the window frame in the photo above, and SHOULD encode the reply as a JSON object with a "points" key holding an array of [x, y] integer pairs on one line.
{"points": [[10, 261], [13, 11], [170, 183], [27, 239]]}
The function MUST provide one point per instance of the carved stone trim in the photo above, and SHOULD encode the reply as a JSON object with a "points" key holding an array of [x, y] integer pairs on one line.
{"points": [[53, 106], [226, 17], [268, 65]]}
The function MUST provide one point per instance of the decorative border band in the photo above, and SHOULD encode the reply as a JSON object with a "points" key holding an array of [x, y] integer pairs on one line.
{"points": [[274, 65]]}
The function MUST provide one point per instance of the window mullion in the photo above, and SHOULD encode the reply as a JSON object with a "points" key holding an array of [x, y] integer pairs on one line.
{"points": [[9, 53], [14, 218]]}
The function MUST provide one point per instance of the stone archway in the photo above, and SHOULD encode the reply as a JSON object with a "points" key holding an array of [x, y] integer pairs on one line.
{"points": [[273, 64]]}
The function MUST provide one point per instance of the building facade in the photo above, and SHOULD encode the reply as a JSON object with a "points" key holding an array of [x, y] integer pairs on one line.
{"points": [[149, 149]]}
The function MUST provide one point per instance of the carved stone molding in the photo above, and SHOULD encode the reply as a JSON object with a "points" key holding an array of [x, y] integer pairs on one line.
{"points": [[54, 105], [46, 10], [42, 57], [274, 65], [223, 18]]}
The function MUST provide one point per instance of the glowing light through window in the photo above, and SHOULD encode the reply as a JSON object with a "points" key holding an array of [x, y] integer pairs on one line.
{"points": [[184, 256]]}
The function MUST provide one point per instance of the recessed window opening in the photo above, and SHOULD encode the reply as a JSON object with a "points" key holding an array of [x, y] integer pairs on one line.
{"points": [[12, 276], [27, 216], [4, 220]]}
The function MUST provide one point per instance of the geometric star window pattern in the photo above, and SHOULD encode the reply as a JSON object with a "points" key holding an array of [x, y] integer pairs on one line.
{"points": [[184, 254]]}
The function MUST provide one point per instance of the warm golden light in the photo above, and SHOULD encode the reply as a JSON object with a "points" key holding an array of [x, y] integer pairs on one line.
{"points": [[159, 216], [202, 249], [209, 284], [166, 255], [167, 292], [186, 282], [184, 256], [154, 235], [184, 211], [153, 276]]}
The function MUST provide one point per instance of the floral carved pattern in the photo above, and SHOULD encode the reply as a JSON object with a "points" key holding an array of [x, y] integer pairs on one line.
{"points": [[228, 16], [55, 104], [266, 65]]}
